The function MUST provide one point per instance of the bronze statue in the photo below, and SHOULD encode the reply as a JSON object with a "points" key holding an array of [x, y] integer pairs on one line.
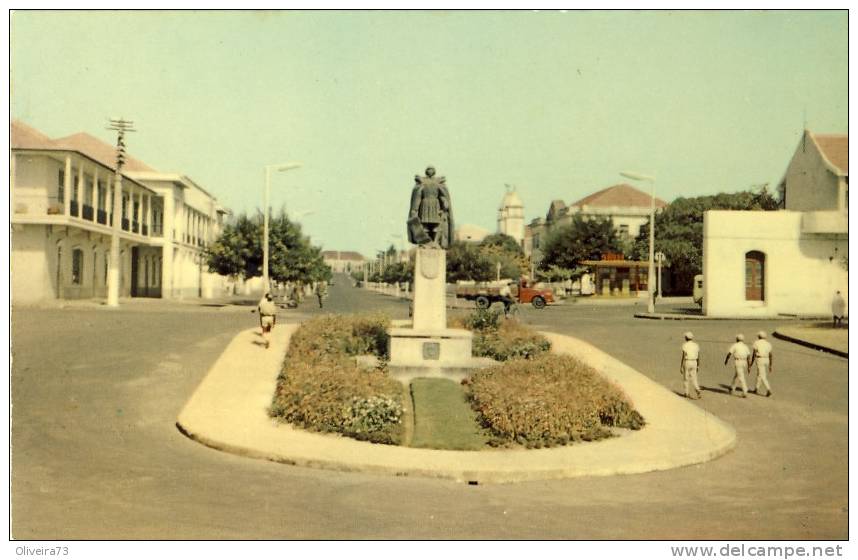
{"points": [[430, 219]]}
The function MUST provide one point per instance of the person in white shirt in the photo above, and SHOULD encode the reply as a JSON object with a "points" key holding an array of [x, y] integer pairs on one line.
{"points": [[689, 363], [741, 356], [267, 317], [838, 308], [506, 297], [762, 354]]}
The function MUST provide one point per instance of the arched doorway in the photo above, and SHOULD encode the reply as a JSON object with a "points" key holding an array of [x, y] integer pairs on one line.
{"points": [[755, 276]]}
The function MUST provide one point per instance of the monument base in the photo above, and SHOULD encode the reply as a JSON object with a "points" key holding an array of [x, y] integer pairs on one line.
{"points": [[432, 353]]}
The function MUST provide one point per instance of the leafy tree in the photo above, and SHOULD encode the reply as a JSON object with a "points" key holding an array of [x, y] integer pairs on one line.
{"points": [[582, 239], [466, 261], [679, 231], [503, 242], [238, 251]]}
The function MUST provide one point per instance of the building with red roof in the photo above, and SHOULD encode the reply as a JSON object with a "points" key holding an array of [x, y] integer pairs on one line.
{"points": [[62, 222], [791, 261]]}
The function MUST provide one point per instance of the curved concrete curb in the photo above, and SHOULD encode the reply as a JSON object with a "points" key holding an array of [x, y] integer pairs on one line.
{"points": [[228, 411], [809, 344]]}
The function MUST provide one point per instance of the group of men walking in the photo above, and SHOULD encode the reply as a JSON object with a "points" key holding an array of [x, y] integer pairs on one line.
{"points": [[743, 359]]}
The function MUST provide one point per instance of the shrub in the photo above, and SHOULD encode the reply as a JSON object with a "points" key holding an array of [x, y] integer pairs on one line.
{"points": [[483, 320], [321, 388], [550, 400], [501, 339]]}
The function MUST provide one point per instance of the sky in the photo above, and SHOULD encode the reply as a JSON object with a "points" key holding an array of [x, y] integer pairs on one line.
{"points": [[555, 103]]}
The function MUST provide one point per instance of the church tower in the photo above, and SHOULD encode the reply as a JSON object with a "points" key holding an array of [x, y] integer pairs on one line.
{"points": [[511, 215]]}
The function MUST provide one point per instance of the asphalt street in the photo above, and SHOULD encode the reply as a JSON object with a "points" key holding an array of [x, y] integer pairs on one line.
{"points": [[96, 454]]}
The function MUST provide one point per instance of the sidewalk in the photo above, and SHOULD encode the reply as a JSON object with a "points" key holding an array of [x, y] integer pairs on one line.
{"points": [[819, 337], [228, 411]]}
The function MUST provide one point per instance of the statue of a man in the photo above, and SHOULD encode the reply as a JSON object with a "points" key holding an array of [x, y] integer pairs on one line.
{"points": [[430, 219]]}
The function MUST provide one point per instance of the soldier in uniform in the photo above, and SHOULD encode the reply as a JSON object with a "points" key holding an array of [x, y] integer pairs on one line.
{"points": [[741, 356], [688, 365], [762, 354], [267, 317]]}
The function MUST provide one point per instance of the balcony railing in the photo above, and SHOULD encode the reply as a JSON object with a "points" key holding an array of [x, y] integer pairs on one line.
{"points": [[125, 224], [135, 226], [157, 230], [73, 207], [88, 212], [101, 217], [145, 229]]}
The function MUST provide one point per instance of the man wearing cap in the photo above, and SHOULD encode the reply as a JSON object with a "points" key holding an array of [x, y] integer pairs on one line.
{"points": [[689, 363], [267, 317], [741, 355], [762, 354]]}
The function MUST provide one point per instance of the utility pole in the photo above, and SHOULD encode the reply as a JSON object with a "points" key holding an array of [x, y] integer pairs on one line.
{"points": [[121, 126]]}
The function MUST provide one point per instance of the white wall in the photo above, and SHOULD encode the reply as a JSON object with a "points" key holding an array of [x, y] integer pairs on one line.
{"points": [[31, 273], [799, 277]]}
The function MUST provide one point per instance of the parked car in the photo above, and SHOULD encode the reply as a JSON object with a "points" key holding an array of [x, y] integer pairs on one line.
{"points": [[484, 294]]}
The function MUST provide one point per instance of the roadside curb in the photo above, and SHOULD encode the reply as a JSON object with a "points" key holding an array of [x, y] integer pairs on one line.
{"points": [[680, 317], [808, 344], [228, 411]]}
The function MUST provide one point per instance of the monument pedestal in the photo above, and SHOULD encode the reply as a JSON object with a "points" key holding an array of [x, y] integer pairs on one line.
{"points": [[429, 348]]}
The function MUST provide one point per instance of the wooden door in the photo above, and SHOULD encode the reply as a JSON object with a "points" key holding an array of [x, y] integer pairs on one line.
{"points": [[755, 270]]}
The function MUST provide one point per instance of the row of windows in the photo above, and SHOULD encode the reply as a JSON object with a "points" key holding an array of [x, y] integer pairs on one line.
{"points": [[77, 268]]}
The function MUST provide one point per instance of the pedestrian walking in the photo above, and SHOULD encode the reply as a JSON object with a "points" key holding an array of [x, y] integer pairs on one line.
{"points": [[321, 291], [267, 317], [762, 354], [741, 356], [689, 364], [838, 309]]}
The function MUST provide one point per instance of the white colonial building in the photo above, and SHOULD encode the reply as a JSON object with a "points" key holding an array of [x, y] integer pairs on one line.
{"points": [[789, 261], [343, 261], [628, 207], [61, 195]]}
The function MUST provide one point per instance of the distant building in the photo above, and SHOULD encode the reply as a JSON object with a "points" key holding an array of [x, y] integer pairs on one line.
{"points": [[343, 261], [62, 215], [511, 215], [471, 233], [628, 207], [789, 261]]}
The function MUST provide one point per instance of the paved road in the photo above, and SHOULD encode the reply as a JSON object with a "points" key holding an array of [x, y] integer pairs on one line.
{"points": [[96, 453]]}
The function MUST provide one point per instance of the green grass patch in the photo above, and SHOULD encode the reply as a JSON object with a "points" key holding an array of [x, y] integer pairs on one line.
{"points": [[444, 419]]}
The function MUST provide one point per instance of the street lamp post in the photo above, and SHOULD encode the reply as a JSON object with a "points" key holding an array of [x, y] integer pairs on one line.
{"points": [[268, 170], [650, 306]]}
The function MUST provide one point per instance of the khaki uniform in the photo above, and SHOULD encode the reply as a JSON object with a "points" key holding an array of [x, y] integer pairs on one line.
{"points": [[762, 356], [267, 313], [690, 359], [740, 354]]}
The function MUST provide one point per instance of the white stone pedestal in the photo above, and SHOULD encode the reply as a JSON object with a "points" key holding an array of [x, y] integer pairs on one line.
{"points": [[429, 348], [430, 289]]}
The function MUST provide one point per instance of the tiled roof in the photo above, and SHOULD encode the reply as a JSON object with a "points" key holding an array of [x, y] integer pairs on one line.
{"points": [[99, 150], [25, 137], [835, 148], [621, 195], [343, 255]]}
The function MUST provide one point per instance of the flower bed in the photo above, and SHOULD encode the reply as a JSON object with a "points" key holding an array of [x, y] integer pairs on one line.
{"points": [[321, 388], [546, 401], [503, 339]]}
